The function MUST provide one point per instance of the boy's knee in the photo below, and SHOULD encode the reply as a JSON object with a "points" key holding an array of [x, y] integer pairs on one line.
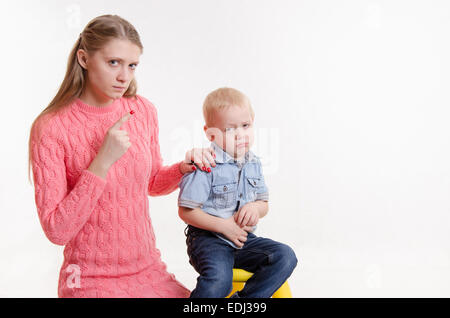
{"points": [[286, 256]]}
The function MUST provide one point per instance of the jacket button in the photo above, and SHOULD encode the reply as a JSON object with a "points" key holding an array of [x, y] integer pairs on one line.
{"points": [[225, 188], [254, 182], [240, 195]]}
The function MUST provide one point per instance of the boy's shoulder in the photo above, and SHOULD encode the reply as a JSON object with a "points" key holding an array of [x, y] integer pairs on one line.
{"points": [[251, 157], [197, 176], [255, 161]]}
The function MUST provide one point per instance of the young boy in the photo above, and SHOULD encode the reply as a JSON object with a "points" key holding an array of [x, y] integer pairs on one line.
{"points": [[223, 206]]}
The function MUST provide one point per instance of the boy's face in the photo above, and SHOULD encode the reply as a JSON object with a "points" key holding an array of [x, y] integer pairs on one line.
{"points": [[232, 130]]}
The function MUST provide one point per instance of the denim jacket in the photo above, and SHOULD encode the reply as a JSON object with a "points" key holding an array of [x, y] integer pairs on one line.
{"points": [[229, 186]]}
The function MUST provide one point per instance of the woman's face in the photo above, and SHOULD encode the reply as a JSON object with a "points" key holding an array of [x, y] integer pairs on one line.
{"points": [[110, 70]]}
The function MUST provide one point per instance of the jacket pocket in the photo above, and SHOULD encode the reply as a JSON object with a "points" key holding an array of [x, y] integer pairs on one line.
{"points": [[224, 195], [254, 182], [255, 185]]}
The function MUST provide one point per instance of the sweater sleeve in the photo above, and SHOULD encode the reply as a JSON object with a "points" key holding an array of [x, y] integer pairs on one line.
{"points": [[62, 214], [163, 179]]}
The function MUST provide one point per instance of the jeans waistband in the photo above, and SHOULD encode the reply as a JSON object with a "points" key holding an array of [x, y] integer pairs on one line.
{"points": [[194, 231]]}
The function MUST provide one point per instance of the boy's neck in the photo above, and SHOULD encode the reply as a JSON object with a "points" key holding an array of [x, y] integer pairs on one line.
{"points": [[241, 158], [237, 159]]}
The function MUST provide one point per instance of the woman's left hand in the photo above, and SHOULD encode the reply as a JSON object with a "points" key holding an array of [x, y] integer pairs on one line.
{"points": [[202, 157]]}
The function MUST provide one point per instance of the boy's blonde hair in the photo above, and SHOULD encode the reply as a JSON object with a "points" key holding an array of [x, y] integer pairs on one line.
{"points": [[222, 98]]}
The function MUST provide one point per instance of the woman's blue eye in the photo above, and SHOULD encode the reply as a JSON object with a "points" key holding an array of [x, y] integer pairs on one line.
{"points": [[133, 66], [246, 125], [112, 62]]}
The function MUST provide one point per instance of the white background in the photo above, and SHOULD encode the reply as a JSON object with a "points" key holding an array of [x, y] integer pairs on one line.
{"points": [[351, 102]]}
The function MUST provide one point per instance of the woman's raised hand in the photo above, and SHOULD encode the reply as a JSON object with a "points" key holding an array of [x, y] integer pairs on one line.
{"points": [[114, 146]]}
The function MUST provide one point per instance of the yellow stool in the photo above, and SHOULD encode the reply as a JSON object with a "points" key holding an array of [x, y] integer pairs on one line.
{"points": [[240, 276]]}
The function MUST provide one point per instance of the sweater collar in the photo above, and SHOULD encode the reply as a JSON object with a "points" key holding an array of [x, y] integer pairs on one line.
{"points": [[80, 105]]}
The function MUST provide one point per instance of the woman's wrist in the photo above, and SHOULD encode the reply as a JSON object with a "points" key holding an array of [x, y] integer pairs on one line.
{"points": [[185, 167], [99, 168]]}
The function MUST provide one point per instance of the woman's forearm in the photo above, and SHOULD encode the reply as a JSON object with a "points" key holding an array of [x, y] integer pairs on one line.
{"points": [[99, 168]]}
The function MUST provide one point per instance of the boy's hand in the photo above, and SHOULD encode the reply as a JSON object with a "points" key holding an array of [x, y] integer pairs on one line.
{"points": [[248, 215], [233, 232]]}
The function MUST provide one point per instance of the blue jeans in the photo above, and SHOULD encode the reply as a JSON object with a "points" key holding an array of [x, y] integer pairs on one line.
{"points": [[213, 258]]}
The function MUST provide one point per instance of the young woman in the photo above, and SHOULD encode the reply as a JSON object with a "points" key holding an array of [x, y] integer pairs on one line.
{"points": [[95, 158]]}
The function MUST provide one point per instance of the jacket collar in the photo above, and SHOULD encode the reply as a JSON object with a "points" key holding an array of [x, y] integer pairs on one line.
{"points": [[223, 157]]}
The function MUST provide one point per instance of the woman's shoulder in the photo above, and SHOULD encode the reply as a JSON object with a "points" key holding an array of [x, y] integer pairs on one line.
{"points": [[47, 133], [144, 102]]}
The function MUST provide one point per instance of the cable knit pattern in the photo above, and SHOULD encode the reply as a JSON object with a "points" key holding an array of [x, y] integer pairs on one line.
{"points": [[104, 223]]}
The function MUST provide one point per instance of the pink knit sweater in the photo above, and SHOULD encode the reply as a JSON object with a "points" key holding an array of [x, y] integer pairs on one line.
{"points": [[110, 248]]}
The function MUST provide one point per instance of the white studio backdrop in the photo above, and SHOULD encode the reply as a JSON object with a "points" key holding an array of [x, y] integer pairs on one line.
{"points": [[351, 102]]}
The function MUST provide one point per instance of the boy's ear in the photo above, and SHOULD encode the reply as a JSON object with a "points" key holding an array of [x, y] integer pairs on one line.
{"points": [[211, 132], [208, 133]]}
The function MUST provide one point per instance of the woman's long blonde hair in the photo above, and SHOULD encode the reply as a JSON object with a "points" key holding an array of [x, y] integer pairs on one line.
{"points": [[97, 33]]}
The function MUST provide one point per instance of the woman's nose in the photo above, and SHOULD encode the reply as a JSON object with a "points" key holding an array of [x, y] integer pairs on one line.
{"points": [[123, 75]]}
